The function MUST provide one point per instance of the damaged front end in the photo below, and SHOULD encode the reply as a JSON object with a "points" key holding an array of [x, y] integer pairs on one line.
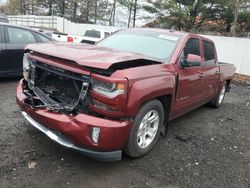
{"points": [[54, 88], [74, 107]]}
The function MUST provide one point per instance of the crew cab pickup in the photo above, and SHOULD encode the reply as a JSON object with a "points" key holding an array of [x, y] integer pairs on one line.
{"points": [[119, 94]]}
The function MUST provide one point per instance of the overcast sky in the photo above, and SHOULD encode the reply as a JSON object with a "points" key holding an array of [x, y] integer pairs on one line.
{"points": [[2, 1]]}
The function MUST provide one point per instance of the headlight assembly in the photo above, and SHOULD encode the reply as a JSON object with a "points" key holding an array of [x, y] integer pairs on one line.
{"points": [[26, 66], [108, 89]]}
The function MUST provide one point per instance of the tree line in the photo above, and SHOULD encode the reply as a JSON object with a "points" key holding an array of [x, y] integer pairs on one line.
{"points": [[224, 16], [82, 11], [228, 16]]}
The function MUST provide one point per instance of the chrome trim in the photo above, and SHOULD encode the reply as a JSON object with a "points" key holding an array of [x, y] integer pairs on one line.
{"points": [[102, 156]]}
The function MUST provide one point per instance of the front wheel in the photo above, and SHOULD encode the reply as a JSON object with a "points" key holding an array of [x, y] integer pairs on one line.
{"points": [[146, 129], [219, 98]]}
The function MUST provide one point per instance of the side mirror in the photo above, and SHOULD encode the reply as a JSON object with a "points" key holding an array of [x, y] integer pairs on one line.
{"points": [[192, 60]]}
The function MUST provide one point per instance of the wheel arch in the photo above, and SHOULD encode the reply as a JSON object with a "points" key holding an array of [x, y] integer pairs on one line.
{"points": [[228, 82], [166, 101]]}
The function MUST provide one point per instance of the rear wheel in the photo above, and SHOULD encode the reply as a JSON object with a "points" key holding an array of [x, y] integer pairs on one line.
{"points": [[146, 129], [219, 98]]}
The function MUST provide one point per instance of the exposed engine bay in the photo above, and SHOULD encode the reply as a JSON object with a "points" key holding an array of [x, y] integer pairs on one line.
{"points": [[57, 89]]}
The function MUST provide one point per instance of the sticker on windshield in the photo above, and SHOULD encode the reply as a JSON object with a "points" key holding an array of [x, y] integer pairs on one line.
{"points": [[167, 37]]}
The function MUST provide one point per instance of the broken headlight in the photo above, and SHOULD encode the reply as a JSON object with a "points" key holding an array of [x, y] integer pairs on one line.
{"points": [[26, 66], [108, 89]]}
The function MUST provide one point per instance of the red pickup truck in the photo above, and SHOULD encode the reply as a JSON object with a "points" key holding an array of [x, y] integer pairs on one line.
{"points": [[119, 95]]}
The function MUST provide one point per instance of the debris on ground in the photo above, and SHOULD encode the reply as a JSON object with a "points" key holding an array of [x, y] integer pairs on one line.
{"points": [[183, 137], [29, 151], [248, 103], [31, 164]]}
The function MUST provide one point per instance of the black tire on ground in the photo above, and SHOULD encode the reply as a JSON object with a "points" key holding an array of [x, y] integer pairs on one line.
{"points": [[217, 101], [132, 148]]}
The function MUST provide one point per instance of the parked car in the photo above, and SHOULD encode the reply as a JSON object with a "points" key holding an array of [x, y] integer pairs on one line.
{"points": [[13, 39], [119, 94], [91, 36], [3, 18]]}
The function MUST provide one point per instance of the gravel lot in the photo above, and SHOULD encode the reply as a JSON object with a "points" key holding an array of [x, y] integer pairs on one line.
{"points": [[205, 148]]}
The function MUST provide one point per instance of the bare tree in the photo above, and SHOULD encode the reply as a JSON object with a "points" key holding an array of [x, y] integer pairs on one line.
{"points": [[135, 10], [113, 12], [236, 5], [95, 14], [129, 4], [75, 5], [130, 13]]}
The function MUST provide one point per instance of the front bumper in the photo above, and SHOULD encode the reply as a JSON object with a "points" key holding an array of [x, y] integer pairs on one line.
{"points": [[74, 131]]}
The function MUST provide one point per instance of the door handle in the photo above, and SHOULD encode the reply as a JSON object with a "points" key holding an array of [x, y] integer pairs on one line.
{"points": [[217, 72]]}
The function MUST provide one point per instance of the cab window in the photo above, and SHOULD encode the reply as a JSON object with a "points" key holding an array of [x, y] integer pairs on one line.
{"points": [[93, 34], [192, 47], [209, 53], [20, 36]]}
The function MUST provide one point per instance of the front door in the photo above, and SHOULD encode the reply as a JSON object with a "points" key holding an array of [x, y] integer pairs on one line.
{"points": [[190, 81]]}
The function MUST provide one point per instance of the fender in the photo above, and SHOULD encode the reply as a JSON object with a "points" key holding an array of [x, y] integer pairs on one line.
{"points": [[147, 89]]}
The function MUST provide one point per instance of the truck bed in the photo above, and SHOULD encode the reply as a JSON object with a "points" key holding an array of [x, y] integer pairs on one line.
{"points": [[227, 70]]}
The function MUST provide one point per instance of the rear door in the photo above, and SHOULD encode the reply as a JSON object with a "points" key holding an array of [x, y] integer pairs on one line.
{"points": [[2, 51], [211, 69], [16, 40]]}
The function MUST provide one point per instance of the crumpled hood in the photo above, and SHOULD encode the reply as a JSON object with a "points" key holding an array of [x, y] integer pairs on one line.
{"points": [[84, 54]]}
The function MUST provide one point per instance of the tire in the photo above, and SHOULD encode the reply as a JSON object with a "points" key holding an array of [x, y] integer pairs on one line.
{"points": [[218, 100], [145, 132]]}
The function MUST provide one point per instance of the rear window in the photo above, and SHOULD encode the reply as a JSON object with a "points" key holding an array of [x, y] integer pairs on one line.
{"points": [[209, 54], [92, 33], [43, 38]]}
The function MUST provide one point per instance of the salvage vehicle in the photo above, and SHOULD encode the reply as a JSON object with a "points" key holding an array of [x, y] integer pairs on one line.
{"points": [[119, 95], [13, 40]]}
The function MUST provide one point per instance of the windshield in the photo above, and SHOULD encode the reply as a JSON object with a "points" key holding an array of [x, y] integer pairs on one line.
{"points": [[153, 44], [92, 33]]}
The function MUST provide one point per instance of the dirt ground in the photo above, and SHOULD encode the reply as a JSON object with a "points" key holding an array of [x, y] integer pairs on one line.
{"points": [[205, 148]]}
